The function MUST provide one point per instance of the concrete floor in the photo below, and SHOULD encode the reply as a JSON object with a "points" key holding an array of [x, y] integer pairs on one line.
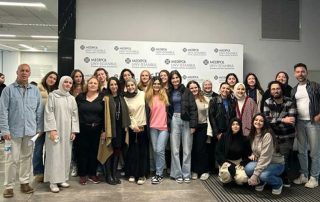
{"points": [[167, 191]]}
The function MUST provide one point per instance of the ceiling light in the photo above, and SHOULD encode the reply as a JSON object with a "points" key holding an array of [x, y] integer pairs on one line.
{"points": [[7, 35], [38, 4], [28, 47], [9, 47], [44, 37]]}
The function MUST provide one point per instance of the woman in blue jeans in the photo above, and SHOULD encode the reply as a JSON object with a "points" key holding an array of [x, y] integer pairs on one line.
{"points": [[158, 102], [267, 164], [184, 119]]}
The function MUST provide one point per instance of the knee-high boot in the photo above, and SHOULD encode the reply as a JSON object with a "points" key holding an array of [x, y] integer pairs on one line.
{"points": [[115, 169], [109, 178]]}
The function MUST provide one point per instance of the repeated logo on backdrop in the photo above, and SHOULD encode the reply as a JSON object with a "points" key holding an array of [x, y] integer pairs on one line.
{"points": [[195, 61]]}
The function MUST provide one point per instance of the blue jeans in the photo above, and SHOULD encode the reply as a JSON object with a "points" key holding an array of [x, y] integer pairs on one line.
{"points": [[269, 175], [308, 133], [159, 139], [37, 160], [180, 133]]}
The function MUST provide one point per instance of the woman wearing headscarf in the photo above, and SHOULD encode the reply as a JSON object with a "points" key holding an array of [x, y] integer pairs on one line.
{"points": [[246, 107], [61, 123]]}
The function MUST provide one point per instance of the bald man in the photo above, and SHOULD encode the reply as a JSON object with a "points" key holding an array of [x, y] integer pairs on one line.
{"points": [[20, 113]]}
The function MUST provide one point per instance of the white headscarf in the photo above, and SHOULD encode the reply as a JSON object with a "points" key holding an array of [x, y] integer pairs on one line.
{"points": [[235, 91], [61, 91]]}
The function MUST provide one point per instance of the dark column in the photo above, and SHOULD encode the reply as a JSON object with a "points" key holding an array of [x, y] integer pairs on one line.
{"points": [[67, 34]]}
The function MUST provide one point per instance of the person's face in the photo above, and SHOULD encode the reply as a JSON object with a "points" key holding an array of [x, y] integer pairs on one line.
{"points": [[258, 122], [231, 80], [67, 84], [156, 86], [164, 77], [235, 127], [175, 81], [131, 87], [2, 79], [113, 87], [225, 90], [127, 75], [240, 91], [282, 78], [207, 87], [251, 80], [23, 73], [101, 75], [51, 80], [93, 85], [145, 78], [276, 91], [78, 78], [194, 89], [301, 74]]}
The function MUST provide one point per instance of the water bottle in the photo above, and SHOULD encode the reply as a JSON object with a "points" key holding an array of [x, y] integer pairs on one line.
{"points": [[56, 139], [7, 147]]}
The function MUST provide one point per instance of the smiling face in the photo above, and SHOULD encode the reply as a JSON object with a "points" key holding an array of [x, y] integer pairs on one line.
{"points": [[93, 85], [113, 87], [175, 81], [127, 75], [51, 80], [164, 77], [235, 127], [78, 78], [156, 86], [301, 74], [207, 87], [258, 122], [145, 77], [131, 87], [240, 91], [194, 89], [225, 90], [251, 80], [231, 80], [282, 78], [101, 75]]}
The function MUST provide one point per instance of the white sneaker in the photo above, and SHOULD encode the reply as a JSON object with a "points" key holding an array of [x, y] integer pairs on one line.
{"points": [[194, 176], [131, 179], [277, 191], [141, 180], [204, 176], [74, 171], [64, 185], [54, 188], [312, 183], [260, 187], [301, 180]]}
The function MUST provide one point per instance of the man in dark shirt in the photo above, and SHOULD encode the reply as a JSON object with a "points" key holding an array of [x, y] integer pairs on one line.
{"points": [[280, 112]]}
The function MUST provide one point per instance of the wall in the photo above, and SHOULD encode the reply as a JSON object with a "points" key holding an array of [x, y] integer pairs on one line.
{"points": [[211, 21], [40, 64]]}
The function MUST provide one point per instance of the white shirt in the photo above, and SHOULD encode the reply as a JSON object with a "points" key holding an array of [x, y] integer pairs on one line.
{"points": [[303, 101]]}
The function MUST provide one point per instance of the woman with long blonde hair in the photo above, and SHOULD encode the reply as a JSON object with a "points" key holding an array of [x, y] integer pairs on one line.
{"points": [[158, 102]]}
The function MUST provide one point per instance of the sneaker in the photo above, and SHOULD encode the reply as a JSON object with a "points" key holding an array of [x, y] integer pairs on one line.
{"points": [[260, 187], [8, 193], [132, 179], [83, 180], [141, 180], [54, 188], [179, 180], [156, 179], [194, 176], [64, 185], [312, 183], [204, 176], [277, 191], [286, 182], [25, 188], [301, 180], [74, 171], [94, 179], [187, 180]]}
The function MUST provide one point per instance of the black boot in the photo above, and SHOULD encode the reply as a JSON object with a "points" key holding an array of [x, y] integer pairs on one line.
{"points": [[115, 170], [109, 178]]}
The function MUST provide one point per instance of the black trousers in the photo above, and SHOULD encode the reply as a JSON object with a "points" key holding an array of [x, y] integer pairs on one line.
{"points": [[87, 142], [199, 154]]}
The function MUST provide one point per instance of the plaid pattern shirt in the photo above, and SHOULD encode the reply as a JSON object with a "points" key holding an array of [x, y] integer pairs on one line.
{"points": [[276, 112]]}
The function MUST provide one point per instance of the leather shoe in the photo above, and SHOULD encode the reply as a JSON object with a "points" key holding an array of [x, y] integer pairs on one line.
{"points": [[8, 193], [25, 188]]}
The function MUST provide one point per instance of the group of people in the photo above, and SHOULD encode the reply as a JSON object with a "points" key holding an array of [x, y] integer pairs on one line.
{"points": [[242, 132]]}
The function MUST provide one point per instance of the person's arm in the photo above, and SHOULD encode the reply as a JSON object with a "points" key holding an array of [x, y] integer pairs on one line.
{"points": [[266, 154], [39, 113], [74, 119], [4, 113], [193, 110]]}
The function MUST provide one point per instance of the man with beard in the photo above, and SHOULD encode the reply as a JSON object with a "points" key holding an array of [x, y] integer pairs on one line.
{"points": [[307, 96], [280, 112]]}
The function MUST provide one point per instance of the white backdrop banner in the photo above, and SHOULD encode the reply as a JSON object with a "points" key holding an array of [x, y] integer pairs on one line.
{"points": [[194, 61]]}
